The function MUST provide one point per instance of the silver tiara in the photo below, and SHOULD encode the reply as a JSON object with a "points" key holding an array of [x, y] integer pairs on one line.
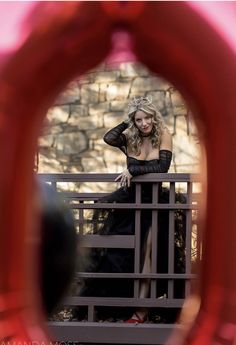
{"points": [[138, 102]]}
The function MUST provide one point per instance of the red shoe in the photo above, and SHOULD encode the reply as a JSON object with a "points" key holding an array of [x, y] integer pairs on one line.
{"points": [[135, 319]]}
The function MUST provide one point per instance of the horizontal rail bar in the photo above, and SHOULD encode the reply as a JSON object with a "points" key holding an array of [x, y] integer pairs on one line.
{"points": [[106, 241], [136, 275], [124, 302], [93, 177], [82, 196], [77, 196], [111, 333], [135, 206]]}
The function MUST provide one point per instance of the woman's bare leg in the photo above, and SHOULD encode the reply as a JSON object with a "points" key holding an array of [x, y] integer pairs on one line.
{"points": [[145, 284]]}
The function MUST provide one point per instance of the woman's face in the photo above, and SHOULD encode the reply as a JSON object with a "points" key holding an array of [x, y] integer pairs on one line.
{"points": [[143, 122]]}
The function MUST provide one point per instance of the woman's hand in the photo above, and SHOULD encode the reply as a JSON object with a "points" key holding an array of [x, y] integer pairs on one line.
{"points": [[124, 178]]}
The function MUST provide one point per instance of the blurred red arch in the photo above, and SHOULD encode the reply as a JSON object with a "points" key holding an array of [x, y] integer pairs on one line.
{"points": [[192, 44]]}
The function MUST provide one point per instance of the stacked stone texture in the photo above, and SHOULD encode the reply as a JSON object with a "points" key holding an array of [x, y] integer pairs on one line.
{"points": [[92, 104]]}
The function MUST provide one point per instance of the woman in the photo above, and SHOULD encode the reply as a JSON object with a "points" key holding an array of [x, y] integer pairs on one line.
{"points": [[147, 140], [147, 145]]}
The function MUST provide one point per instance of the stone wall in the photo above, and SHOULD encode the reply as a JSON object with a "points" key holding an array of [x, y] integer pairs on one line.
{"points": [[91, 105]]}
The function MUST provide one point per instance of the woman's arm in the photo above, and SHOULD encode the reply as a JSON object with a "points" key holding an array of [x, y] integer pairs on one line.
{"points": [[161, 166], [115, 137], [165, 156]]}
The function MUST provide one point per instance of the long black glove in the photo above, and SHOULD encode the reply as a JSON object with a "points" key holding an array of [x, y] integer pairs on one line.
{"points": [[115, 137], [161, 166]]}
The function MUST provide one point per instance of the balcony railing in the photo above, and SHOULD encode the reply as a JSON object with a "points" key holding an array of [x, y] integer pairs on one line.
{"points": [[79, 192]]}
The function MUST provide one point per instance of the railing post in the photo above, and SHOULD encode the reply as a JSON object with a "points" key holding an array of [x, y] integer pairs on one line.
{"points": [[137, 239], [155, 198], [188, 238], [171, 241]]}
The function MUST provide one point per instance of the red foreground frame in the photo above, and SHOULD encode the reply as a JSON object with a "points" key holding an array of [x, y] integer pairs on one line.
{"points": [[191, 44]]}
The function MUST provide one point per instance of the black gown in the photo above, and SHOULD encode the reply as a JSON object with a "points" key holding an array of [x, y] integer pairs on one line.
{"points": [[122, 222]]}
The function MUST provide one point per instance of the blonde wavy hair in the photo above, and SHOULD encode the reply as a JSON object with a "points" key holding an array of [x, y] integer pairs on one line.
{"points": [[133, 134]]}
